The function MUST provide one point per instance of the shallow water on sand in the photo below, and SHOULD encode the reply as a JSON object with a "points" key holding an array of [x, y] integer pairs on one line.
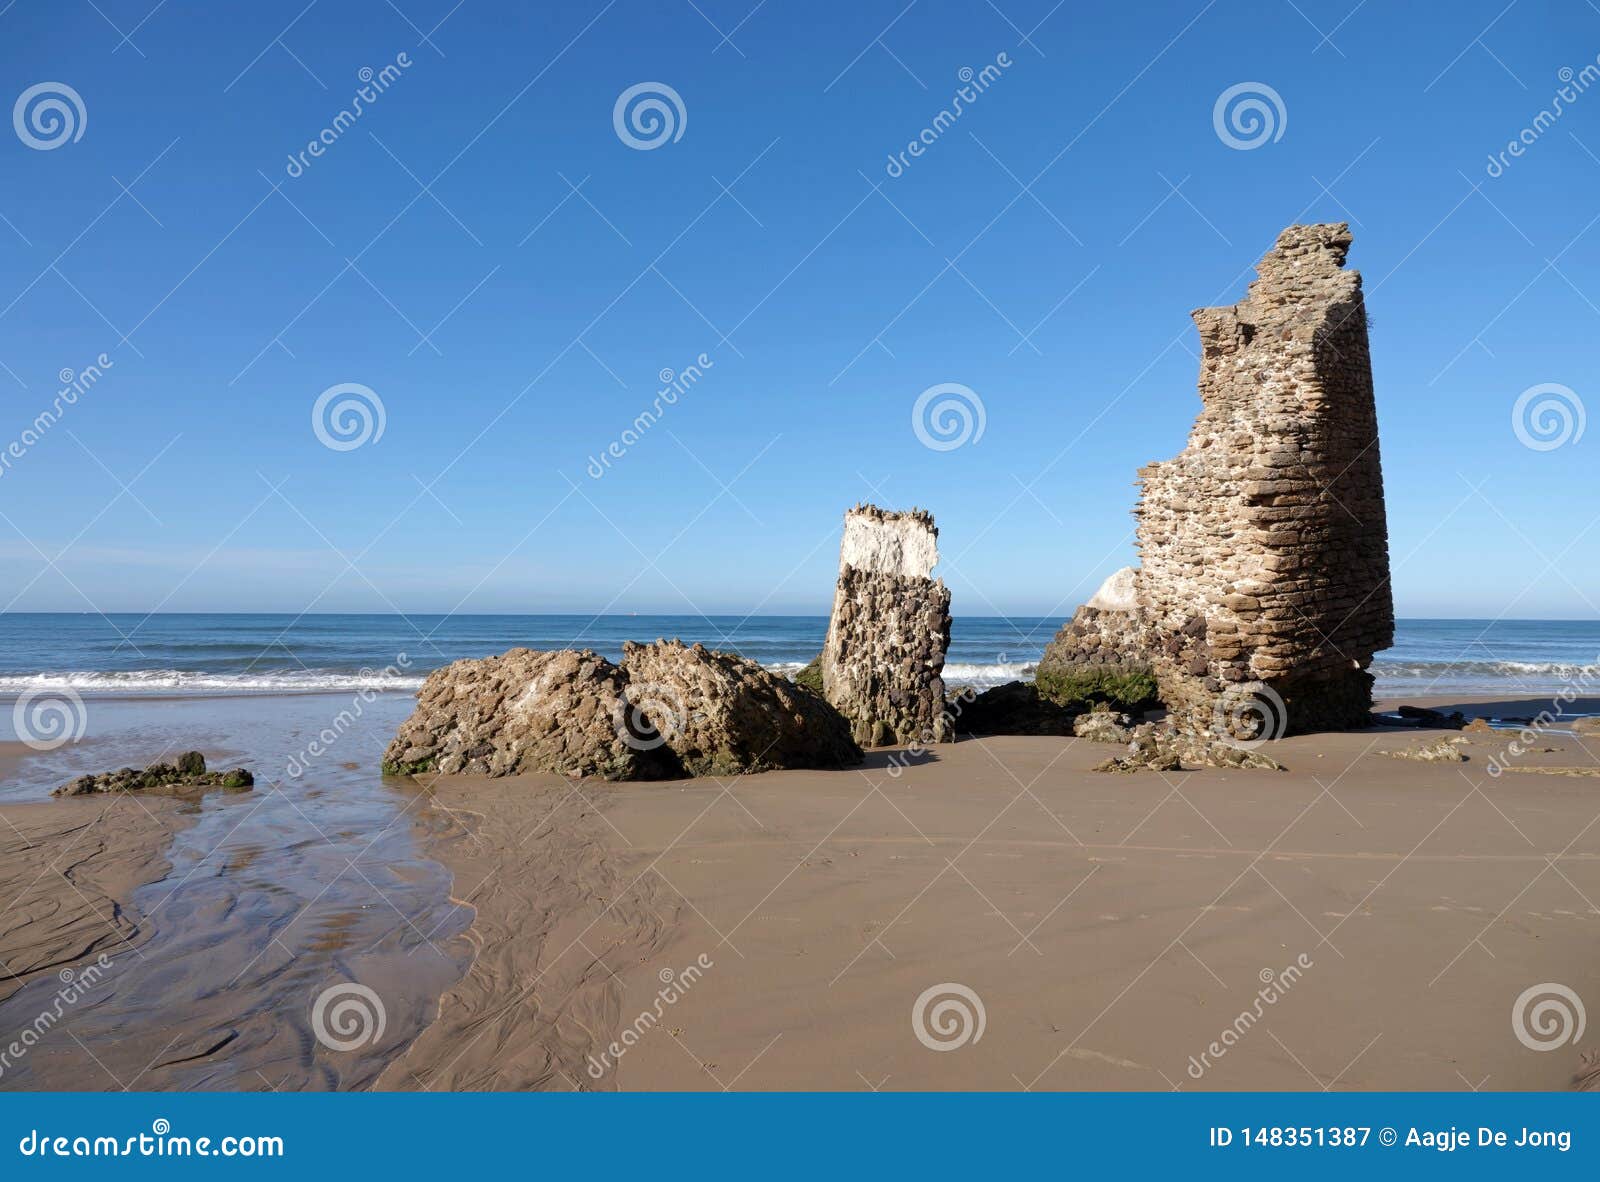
{"points": [[309, 882]]}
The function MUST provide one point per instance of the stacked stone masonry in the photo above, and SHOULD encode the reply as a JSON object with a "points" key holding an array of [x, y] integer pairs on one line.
{"points": [[883, 663], [1264, 543]]}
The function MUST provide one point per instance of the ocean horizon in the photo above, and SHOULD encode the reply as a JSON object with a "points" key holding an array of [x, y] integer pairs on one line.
{"points": [[212, 653]]}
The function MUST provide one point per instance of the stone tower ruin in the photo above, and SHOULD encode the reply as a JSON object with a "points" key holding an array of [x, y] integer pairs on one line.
{"points": [[1264, 586], [883, 663]]}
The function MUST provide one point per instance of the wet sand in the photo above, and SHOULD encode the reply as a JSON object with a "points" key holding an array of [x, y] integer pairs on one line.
{"points": [[257, 905], [776, 931], [68, 869]]}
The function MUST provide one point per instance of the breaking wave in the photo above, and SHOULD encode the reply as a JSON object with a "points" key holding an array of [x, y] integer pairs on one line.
{"points": [[137, 681], [1492, 670]]}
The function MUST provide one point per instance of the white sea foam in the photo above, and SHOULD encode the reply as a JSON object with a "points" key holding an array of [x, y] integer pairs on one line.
{"points": [[1507, 670], [955, 672], [136, 681], [1498, 675]]}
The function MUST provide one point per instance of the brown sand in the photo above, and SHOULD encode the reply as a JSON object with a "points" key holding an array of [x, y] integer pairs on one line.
{"points": [[67, 869], [1111, 927]]}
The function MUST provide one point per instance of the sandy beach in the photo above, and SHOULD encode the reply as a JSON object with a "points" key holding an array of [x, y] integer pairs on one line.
{"points": [[68, 869], [775, 931], [1356, 922]]}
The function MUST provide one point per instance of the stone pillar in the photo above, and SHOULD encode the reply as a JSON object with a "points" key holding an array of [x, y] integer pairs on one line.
{"points": [[1264, 544], [883, 663]]}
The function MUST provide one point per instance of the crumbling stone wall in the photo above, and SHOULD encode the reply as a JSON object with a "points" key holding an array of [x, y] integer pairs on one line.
{"points": [[883, 663], [1264, 543]]}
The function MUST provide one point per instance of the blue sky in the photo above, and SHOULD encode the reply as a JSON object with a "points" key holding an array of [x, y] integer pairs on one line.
{"points": [[483, 251]]}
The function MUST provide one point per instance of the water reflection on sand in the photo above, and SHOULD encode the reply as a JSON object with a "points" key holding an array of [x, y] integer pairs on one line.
{"points": [[274, 896]]}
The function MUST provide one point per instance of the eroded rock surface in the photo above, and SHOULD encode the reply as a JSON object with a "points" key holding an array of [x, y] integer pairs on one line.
{"points": [[883, 663], [667, 712], [722, 715], [1165, 747], [526, 711]]}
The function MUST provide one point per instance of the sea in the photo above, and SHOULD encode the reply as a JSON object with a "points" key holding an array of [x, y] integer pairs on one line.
{"points": [[214, 654]]}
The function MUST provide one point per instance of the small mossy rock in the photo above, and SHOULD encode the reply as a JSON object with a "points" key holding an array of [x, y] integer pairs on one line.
{"points": [[811, 675], [187, 776]]}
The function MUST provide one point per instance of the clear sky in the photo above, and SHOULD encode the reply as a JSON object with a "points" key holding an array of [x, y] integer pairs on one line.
{"points": [[483, 251]]}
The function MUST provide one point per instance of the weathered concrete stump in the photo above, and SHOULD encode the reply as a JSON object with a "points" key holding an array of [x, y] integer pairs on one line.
{"points": [[883, 663]]}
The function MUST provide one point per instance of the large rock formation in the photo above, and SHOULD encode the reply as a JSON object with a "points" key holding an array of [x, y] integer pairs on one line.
{"points": [[883, 661], [666, 712], [527, 711], [722, 715], [1264, 587]]}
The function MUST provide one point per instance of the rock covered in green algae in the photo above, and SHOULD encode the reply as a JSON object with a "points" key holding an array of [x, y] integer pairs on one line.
{"points": [[188, 772]]}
